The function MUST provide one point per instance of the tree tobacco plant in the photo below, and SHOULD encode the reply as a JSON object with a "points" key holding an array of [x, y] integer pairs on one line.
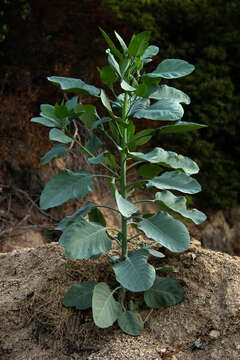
{"points": [[130, 93]]}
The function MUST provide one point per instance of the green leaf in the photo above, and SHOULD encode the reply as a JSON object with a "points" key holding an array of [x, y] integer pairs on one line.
{"points": [[96, 216], [105, 100], [139, 43], [100, 122], [48, 111], [57, 151], [61, 111], [151, 51], [93, 144], [180, 127], [151, 251], [87, 114], [44, 121], [58, 135], [172, 69], [84, 239], [71, 103], [111, 160], [165, 292], [163, 109], [122, 43], [131, 323], [134, 273], [178, 205], [125, 86], [113, 63], [80, 296], [76, 86], [148, 171], [169, 92], [175, 180], [84, 210], [65, 186], [166, 231], [138, 105], [107, 75], [97, 159], [168, 159], [111, 45], [106, 310], [125, 206]]}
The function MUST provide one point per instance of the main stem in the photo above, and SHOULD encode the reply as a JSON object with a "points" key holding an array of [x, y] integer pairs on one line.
{"points": [[123, 179]]}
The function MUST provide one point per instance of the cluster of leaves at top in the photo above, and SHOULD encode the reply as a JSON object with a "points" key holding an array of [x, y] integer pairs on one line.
{"points": [[140, 96]]}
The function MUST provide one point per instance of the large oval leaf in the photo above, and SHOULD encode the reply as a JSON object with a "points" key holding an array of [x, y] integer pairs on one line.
{"points": [[125, 206], [165, 292], [172, 69], [79, 296], [84, 239], [164, 109], [169, 159], [165, 91], [178, 205], [106, 309], [131, 323], [76, 86], [64, 186], [175, 180], [166, 231], [134, 273]]}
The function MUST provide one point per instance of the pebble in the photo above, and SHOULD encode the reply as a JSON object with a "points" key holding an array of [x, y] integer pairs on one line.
{"points": [[214, 334]]}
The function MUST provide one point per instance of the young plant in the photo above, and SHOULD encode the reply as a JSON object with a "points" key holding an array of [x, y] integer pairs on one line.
{"points": [[131, 94]]}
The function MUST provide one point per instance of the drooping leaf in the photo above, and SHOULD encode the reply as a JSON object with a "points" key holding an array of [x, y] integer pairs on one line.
{"points": [[138, 105], [127, 87], [175, 180], [111, 44], [80, 296], [106, 310], [97, 159], [100, 122], [125, 206], [134, 273], [84, 239], [58, 135], [131, 323], [166, 231], [178, 205], [105, 100], [96, 216], [76, 86], [139, 43], [168, 159], [151, 51], [84, 210], [107, 75], [172, 69], [165, 91], [165, 292], [113, 63], [57, 151], [65, 186], [180, 127], [164, 109], [44, 121], [94, 144]]}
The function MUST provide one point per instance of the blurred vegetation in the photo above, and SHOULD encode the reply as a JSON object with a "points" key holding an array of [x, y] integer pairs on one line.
{"points": [[59, 37], [207, 34]]}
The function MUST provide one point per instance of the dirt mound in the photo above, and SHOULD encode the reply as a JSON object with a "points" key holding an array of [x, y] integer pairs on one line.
{"points": [[34, 324]]}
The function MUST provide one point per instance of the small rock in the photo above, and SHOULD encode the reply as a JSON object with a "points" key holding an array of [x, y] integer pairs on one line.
{"points": [[214, 334]]}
